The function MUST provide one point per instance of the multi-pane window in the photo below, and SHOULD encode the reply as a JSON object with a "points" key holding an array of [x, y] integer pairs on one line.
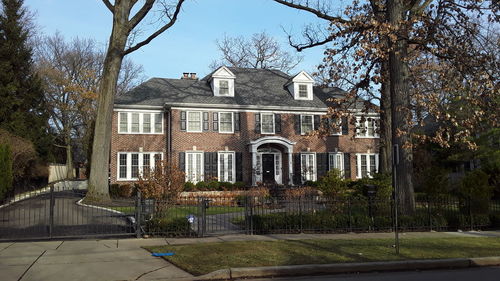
{"points": [[308, 166], [223, 87], [158, 122], [306, 124], [135, 123], [194, 121], [335, 126], [140, 123], [303, 91], [131, 165], [336, 161], [226, 166], [366, 164], [146, 123], [123, 121], [226, 122], [194, 166], [366, 127], [267, 123], [122, 166]]}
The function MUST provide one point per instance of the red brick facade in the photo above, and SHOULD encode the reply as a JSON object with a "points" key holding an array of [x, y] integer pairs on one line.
{"points": [[212, 141]]}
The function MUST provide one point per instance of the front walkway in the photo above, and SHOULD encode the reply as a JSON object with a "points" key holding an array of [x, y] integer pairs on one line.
{"points": [[124, 259]]}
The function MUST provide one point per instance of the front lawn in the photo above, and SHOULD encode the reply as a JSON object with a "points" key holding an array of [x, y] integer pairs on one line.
{"points": [[202, 258]]}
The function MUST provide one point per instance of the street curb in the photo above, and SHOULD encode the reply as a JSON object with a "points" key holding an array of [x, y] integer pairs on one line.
{"points": [[323, 269]]}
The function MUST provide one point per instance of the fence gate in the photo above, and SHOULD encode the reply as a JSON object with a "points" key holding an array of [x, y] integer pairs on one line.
{"points": [[222, 216], [58, 212]]}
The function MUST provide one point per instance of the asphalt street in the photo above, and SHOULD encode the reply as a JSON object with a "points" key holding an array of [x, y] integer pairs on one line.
{"points": [[482, 274]]}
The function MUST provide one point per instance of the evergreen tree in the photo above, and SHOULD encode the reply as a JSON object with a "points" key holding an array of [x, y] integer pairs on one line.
{"points": [[22, 107]]}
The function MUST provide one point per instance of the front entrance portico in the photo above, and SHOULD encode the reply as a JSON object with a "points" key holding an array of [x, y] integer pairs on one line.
{"points": [[267, 161]]}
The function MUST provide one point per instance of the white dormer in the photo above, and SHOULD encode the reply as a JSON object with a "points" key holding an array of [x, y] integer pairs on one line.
{"points": [[222, 82], [301, 86]]}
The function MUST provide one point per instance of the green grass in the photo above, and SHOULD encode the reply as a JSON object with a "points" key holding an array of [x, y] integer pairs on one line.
{"points": [[203, 258], [182, 211]]}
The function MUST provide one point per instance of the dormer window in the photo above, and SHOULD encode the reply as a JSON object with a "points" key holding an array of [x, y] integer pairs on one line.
{"points": [[302, 90], [222, 82], [223, 87], [301, 86]]}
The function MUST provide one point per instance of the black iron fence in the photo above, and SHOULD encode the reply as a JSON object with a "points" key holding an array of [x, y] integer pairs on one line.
{"points": [[198, 217]]}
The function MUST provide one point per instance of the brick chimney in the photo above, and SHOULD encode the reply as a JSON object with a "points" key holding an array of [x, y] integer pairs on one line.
{"points": [[189, 76]]}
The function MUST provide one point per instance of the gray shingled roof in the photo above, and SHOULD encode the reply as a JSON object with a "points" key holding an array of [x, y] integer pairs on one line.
{"points": [[257, 87]]}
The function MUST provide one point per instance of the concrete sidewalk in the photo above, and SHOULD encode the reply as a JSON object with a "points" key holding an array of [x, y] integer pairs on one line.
{"points": [[124, 259]]}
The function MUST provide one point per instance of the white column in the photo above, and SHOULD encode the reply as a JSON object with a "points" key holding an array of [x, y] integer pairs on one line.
{"points": [[254, 168], [290, 168]]}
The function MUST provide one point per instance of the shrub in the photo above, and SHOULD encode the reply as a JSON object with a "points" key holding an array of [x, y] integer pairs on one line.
{"points": [[189, 186], [476, 191], [435, 181], [163, 183], [311, 183], [333, 185], [227, 186], [114, 190], [200, 186], [239, 185], [213, 185], [495, 220], [126, 190], [23, 154], [304, 191], [6, 177], [169, 226]]}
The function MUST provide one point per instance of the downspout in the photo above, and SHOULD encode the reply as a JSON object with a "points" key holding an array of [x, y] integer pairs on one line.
{"points": [[168, 110]]}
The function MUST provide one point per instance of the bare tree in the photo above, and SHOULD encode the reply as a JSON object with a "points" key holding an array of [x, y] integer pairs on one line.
{"points": [[259, 51], [71, 72], [130, 19]]}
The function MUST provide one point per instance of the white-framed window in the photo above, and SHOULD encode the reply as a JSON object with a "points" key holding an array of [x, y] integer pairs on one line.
{"points": [[366, 164], [194, 121], [267, 123], [335, 127], [336, 161], [140, 122], [223, 87], [227, 171], [226, 124], [303, 91], [131, 165], [366, 128], [306, 124], [308, 166], [194, 166]]}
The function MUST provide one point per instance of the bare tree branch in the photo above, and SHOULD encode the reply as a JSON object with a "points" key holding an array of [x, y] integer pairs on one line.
{"points": [[139, 16], [110, 6], [173, 19], [317, 12]]}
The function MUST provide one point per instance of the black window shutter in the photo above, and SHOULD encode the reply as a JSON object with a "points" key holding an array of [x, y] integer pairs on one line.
{"points": [[183, 120], [277, 123], [345, 126], [206, 126], [297, 124], [347, 165], [239, 166], [317, 119], [182, 161], [322, 164], [215, 118], [297, 175], [237, 121], [206, 161], [257, 123], [214, 173]]}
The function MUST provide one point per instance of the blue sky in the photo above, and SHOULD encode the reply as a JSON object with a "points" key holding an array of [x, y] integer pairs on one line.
{"points": [[190, 45]]}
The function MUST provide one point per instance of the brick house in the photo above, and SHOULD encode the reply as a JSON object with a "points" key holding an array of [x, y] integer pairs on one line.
{"points": [[239, 124]]}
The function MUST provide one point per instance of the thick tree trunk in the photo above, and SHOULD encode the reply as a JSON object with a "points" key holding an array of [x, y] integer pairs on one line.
{"points": [[69, 162], [98, 188], [385, 146], [401, 115]]}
